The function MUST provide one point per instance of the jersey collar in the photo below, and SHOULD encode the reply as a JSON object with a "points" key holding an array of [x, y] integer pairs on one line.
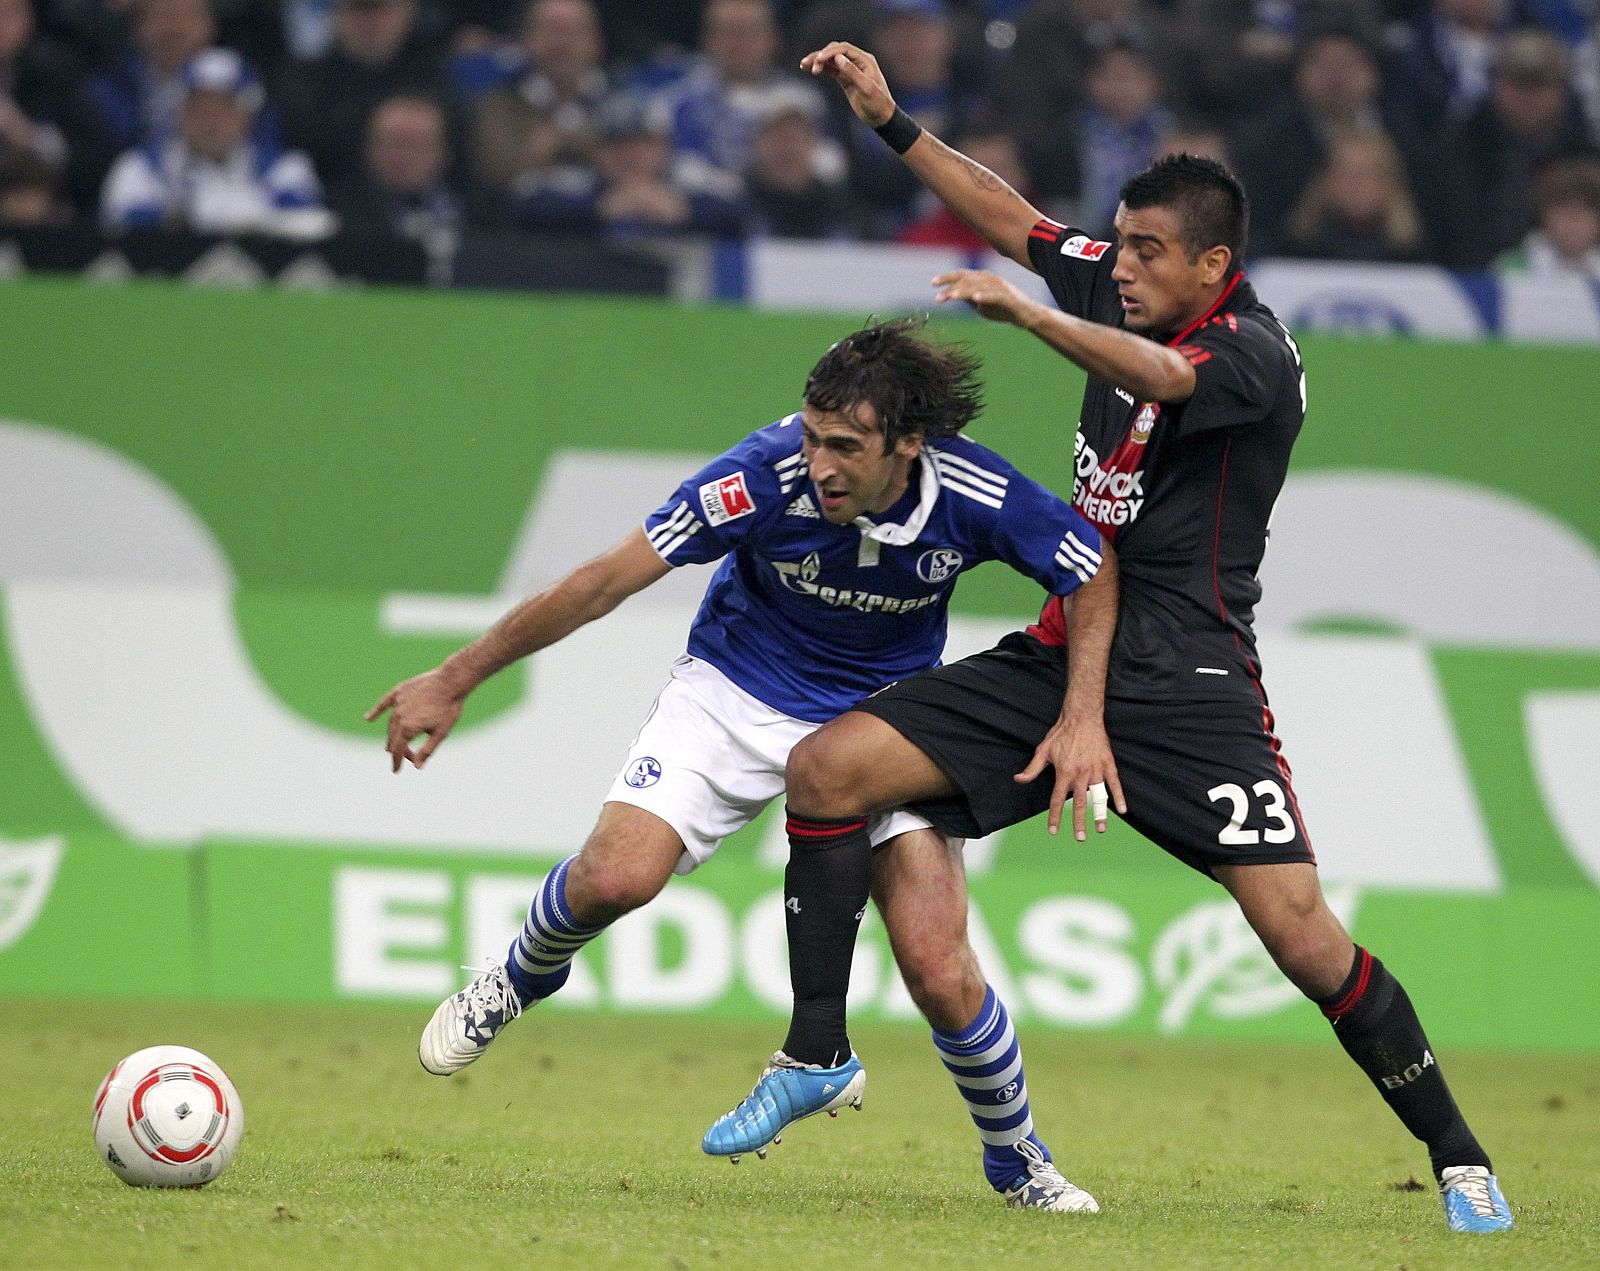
{"points": [[1233, 284], [907, 532]]}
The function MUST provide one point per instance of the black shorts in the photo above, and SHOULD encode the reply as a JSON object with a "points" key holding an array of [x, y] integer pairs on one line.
{"points": [[1204, 780]]}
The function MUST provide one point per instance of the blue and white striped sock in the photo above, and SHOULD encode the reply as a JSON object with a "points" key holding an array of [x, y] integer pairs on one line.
{"points": [[540, 958], [985, 1059]]}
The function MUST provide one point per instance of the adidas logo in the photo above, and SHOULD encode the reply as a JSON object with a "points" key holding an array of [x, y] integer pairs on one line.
{"points": [[803, 506], [828, 1087]]}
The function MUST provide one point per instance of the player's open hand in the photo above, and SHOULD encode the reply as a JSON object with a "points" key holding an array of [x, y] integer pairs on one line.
{"points": [[858, 74], [1080, 753], [992, 296], [422, 705]]}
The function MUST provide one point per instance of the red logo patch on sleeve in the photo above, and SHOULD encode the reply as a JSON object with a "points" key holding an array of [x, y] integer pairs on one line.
{"points": [[726, 500], [1083, 247]]}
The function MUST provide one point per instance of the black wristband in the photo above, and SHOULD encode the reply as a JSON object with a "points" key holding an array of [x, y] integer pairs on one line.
{"points": [[900, 132]]}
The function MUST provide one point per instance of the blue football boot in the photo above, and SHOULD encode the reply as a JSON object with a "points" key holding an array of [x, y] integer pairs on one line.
{"points": [[786, 1092], [1472, 1200]]}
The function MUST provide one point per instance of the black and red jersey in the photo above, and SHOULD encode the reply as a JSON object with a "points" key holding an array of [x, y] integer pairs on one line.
{"points": [[1184, 491]]}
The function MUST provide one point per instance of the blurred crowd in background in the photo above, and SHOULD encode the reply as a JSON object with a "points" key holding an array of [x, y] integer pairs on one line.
{"points": [[1464, 133]]}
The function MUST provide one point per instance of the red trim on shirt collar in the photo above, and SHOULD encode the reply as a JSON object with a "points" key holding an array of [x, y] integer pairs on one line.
{"points": [[1206, 316]]}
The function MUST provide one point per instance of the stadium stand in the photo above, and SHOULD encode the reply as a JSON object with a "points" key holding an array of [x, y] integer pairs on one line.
{"points": [[1427, 131]]}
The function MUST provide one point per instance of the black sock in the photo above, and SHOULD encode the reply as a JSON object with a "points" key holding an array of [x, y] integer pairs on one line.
{"points": [[1378, 1027], [825, 890]]}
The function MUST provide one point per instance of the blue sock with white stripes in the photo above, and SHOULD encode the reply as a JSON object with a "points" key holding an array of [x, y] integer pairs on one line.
{"points": [[985, 1059], [540, 958]]}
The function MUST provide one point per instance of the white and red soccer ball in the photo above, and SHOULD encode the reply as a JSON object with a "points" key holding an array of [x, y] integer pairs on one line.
{"points": [[167, 1116]]}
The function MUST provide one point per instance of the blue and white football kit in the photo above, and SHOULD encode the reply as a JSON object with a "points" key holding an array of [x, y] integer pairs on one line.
{"points": [[804, 618]]}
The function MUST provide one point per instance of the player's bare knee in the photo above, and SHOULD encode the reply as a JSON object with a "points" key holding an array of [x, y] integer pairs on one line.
{"points": [[818, 779], [603, 890]]}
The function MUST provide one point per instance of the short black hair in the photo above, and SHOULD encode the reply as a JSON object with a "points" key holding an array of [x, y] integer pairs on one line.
{"points": [[1211, 204], [917, 386]]}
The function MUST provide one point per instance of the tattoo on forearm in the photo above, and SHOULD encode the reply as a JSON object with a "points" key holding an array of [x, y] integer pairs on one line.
{"points": [[981, 176]]}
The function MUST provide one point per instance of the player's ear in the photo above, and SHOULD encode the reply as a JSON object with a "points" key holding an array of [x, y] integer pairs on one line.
{"points": [[1214, 264], [909, 446]]}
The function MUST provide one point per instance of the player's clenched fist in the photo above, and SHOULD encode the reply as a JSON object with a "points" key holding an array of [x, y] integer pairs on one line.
{"points": [[857, 72]]}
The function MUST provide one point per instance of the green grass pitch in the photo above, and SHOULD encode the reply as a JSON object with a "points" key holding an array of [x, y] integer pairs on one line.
{"points": [[575, 1144]]}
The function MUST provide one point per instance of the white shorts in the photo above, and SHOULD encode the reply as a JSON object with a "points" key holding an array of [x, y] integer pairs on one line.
{"points": [[709, 757]]}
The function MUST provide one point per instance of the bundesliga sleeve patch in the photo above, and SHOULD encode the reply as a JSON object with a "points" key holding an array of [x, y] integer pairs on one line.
{"points": [[726, 500], [1084, 247]]}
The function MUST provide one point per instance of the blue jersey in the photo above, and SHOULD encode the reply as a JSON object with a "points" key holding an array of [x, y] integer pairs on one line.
{"points": [[811, 617]]}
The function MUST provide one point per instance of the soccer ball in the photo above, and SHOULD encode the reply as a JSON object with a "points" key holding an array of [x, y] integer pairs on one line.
{"points": [[166, 1116]]}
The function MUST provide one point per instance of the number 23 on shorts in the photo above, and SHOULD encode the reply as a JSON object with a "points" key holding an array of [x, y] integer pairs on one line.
{"points": [[1274, 807]]}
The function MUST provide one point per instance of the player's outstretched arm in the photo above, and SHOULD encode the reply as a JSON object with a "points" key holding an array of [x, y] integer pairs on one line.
{"points": [[431, 703], [968, 189], [1077, 746], [1151, 371]]}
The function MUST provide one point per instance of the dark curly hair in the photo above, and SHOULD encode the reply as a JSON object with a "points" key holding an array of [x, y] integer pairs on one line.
{"points": [[917, 386]]}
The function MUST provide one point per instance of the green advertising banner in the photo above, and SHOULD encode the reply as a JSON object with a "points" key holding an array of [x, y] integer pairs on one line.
{"points": [[229, 521]]}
